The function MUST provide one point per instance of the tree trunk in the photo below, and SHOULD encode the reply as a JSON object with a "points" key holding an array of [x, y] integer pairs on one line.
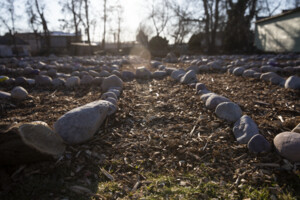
{"points": [[104, 28]]}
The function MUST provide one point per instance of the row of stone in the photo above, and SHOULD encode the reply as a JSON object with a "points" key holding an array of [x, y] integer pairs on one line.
{"points": [[74, 127], [293, 82], [245, 129]]}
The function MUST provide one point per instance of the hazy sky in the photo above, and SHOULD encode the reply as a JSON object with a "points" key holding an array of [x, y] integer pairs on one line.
{"points": [[135, 11]]}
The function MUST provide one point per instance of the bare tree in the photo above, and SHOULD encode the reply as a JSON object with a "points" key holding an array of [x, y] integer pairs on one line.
{"points": [[117, 11], [33, 22], [159, 15], [37, 13], [73, 7], [104, 23], [9, 8], [87, 21]]}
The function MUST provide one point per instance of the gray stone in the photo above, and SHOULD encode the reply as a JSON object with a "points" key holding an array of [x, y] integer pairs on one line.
{"points": [[273, 78], [72, 81], [293, 82], [194, 68], [248, 73], [161, 67], [169, 70], [93, 73], [4, 95], [58, 82], [127, 76], [43, 80], [177, 74], [10, 81], [20, 80], [80, 124], [97, 81], [116, 91], [205, 96], [159, 74], [19, 93], [228, 111], [30, 81], [203, 68], [268, 68], [257, 75], [117, 73], [110, 82], [75, 73], [104, 73], [52, 72], [83, 73], [244, 129], [259, 144], [238, 71], [86, 80], [189, 77], [214, 100], [143, 73], [200, 86], [112, 100], [215, 65], [155, 63], [288, 145], [109, 94], [28, 70]]}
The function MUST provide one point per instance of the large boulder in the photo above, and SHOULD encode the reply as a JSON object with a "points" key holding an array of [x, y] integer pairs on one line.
{"points": [[143, 73], [80, 124], [259, 144], [19, 93], [189, 77], [127, 76], [288, 145], [110, 82], [72, 81], [43, 80], [293, 82], [228, 111], [244, 129], [214, 100]]}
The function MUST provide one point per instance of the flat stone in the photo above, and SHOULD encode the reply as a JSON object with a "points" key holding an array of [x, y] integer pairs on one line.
{"points": [[143, 73], [244, 129], [19, 93], [287, 145], [4, 95], [110, 82], [229, 111], [293, 82], [127, 76], [214, 100], [189, 77], [248, 73], [43, 80], [72, 81], [259, 144], [80, 124]]}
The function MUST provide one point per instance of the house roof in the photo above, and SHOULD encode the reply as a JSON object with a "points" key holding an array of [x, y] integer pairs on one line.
{"points": [[284, 13], [8, 40]]}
